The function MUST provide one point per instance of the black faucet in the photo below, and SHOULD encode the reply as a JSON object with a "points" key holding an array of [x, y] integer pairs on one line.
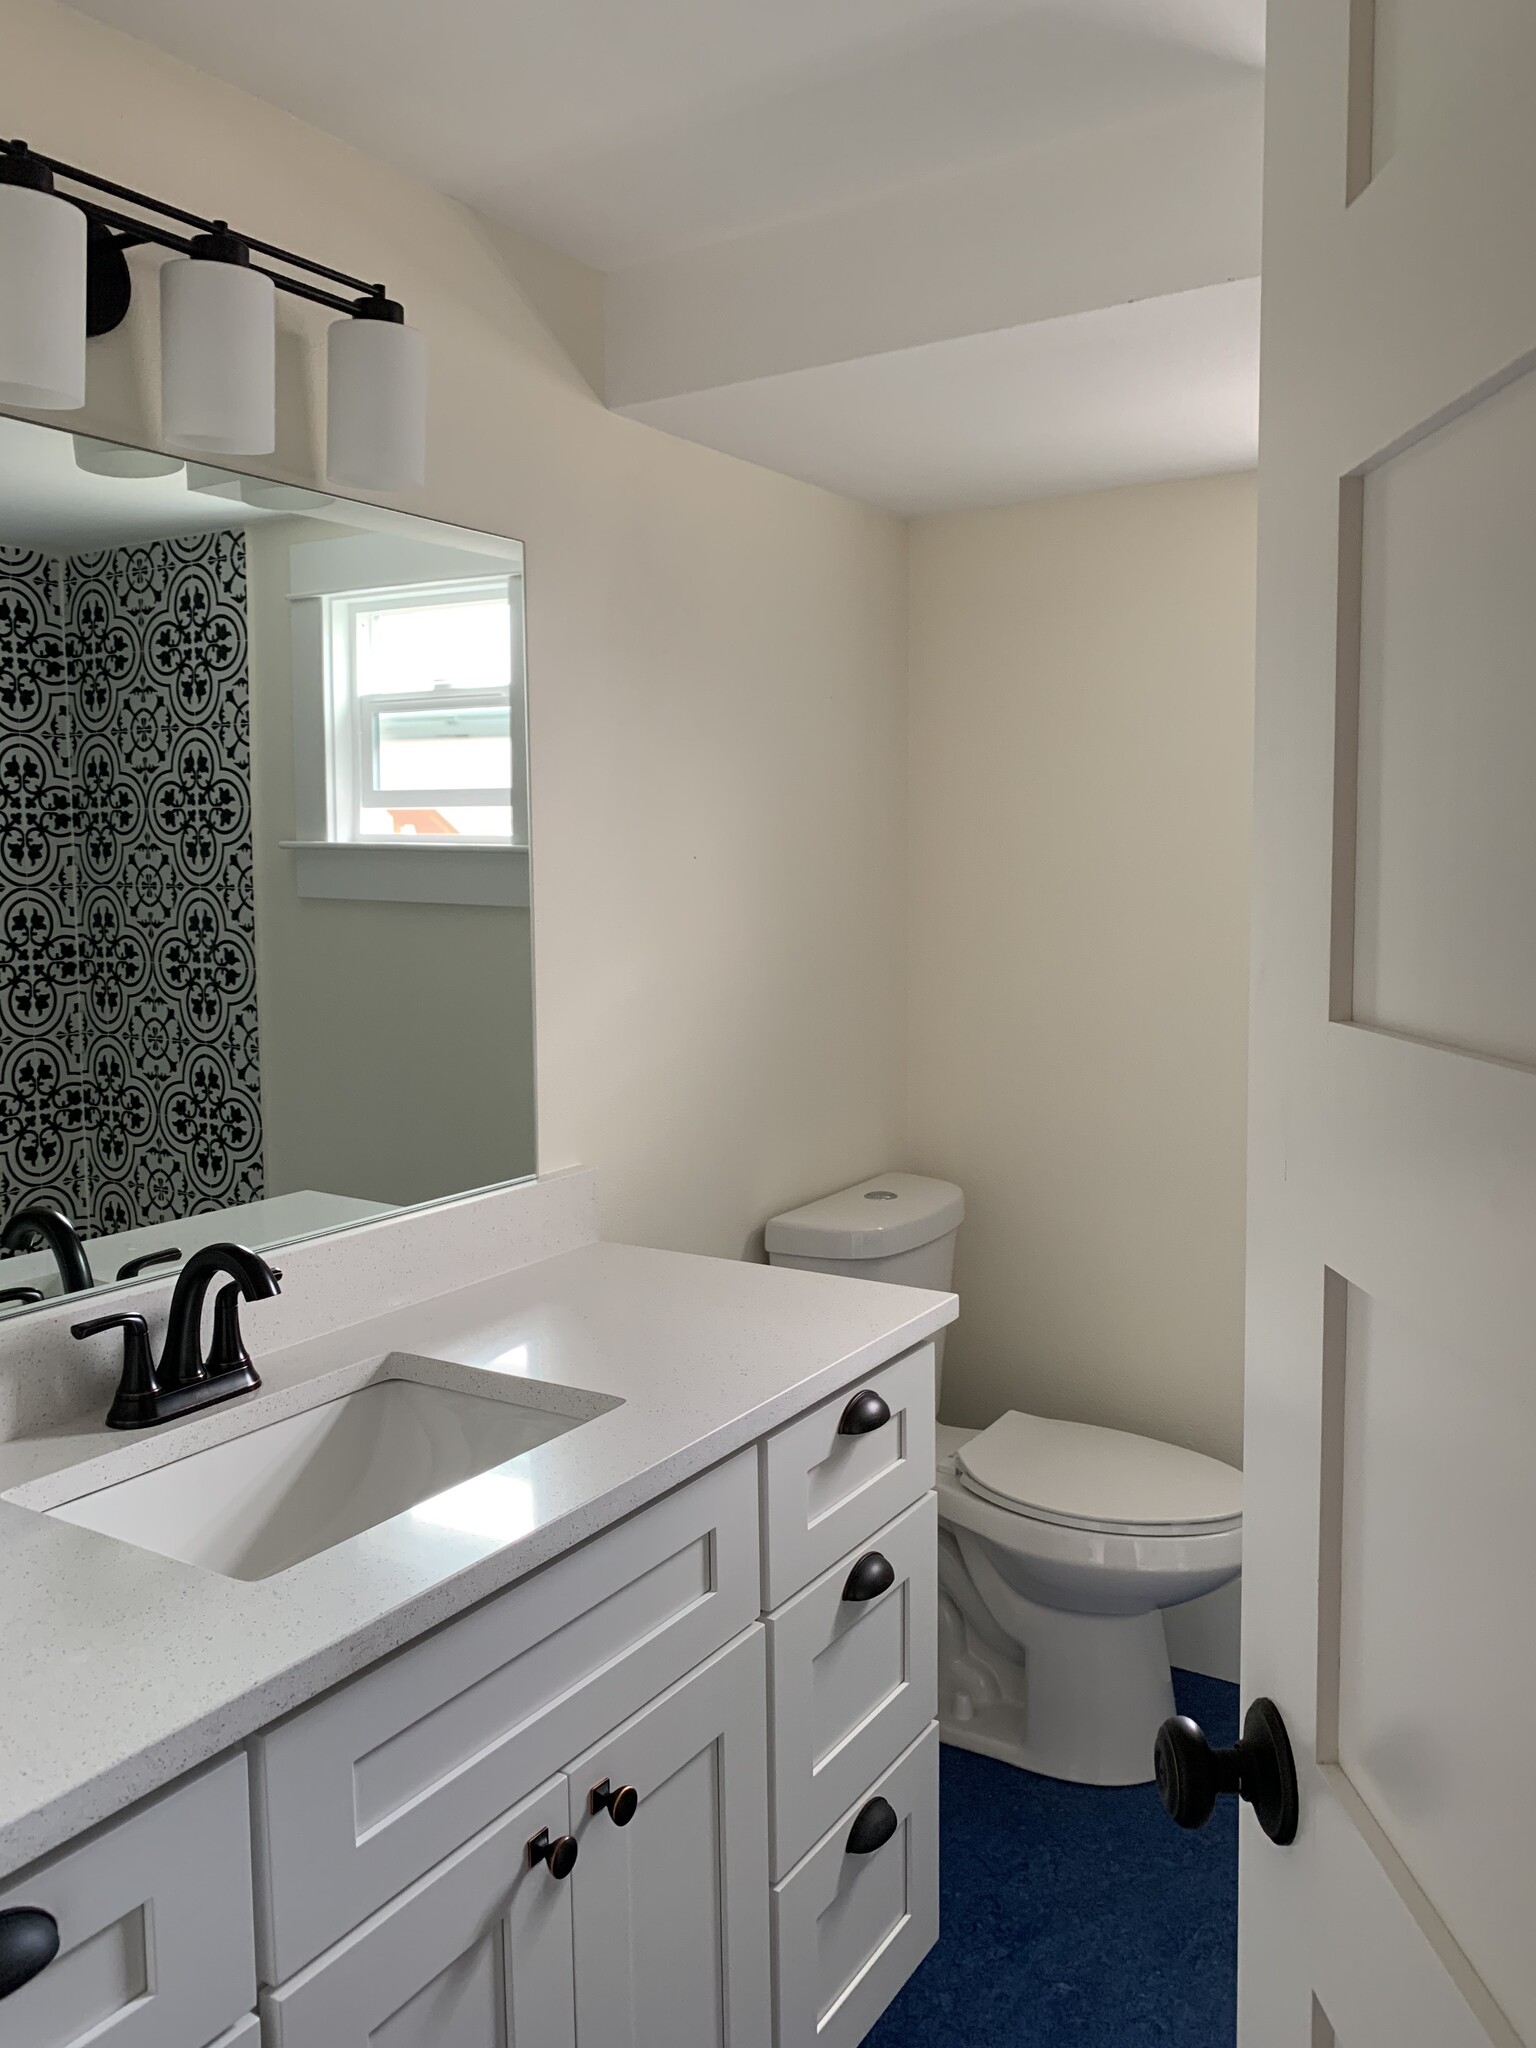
{"points": [[184, 1380], [42, 1219]]}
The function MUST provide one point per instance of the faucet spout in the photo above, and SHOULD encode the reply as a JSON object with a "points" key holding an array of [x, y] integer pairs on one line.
{"points": [[40, 1219], [182, 1362]]}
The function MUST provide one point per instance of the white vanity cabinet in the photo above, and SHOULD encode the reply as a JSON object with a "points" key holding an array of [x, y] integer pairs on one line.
{"points": [[628, 1948], [724, 1705], [858, 1914], [154, 1920], [853, 1676], [671, 1909], [475, 1955], [366, 1790]]}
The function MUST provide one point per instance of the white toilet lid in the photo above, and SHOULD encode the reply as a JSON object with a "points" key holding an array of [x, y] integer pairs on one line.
{"points": [[1089, 1478]]}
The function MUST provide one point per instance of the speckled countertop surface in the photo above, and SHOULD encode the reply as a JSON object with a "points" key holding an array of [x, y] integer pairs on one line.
{"points": [[120, 1668]]}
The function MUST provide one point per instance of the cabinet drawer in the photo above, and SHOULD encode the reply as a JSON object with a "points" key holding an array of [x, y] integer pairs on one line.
{"points": [[825, 1491], [154, 1913], [851, 1681], [475, 1955], [244, 2033], [850, 1928], [362, 1793]]}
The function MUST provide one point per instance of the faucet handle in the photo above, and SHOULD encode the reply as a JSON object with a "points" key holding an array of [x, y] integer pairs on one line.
{"points": [[136, 1402], [135, 1267]]}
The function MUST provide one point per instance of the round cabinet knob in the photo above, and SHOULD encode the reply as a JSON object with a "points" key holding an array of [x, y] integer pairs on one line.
{"points": [[873, 1827], [559, 1853], [620, 1803], [866, 1411], [29, 1941], [1191, 1776], [870, 1577]]}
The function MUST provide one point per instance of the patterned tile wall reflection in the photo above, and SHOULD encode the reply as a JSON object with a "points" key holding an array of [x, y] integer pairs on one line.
{"points": [[129, 1064]]}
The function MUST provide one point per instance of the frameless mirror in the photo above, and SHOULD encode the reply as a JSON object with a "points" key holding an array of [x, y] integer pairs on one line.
{"points": [[265, 950]]}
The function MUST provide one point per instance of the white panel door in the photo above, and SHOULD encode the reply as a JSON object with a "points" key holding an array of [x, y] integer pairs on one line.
{"points": [[1391, 1405], [671, 1909]]}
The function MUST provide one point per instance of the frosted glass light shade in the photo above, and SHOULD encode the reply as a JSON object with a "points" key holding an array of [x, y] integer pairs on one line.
{"points": [[376, 405], [42, 300], [218, 357]]}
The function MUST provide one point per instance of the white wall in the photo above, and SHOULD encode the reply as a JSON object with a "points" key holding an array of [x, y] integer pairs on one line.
{"points": [[1082, 684], [716, 662], [396, 1038]]}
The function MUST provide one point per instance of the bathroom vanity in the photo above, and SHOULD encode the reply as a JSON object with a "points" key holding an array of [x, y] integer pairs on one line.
{"points": [[544, 1655]]}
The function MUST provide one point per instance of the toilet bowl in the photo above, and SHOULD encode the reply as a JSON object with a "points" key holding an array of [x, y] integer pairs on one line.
{"points": [[1060, 1543], [1058, 1550]]}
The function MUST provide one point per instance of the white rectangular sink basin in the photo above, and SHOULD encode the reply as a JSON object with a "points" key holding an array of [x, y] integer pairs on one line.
{"points": [[269, 1499]]}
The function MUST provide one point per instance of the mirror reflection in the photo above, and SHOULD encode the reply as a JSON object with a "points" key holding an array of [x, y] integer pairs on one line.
{"points": [[265, 952]]}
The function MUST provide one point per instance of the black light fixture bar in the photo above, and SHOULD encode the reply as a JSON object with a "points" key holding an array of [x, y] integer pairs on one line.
{"points": [[131, 231]]}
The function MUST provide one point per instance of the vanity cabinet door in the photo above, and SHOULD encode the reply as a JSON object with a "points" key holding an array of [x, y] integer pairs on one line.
{"points": [[477, 1954], [671, 1909]]}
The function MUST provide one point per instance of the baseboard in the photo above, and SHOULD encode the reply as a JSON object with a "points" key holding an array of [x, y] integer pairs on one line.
{"points": [[1206, 1635]]}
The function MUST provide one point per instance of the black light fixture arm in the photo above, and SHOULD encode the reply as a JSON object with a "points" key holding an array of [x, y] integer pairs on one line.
{"points": [[112, 232]]}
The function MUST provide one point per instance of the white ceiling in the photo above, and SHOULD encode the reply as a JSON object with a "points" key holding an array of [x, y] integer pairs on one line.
{"points": [[635, 135], [620, 130], [1161, 388]]}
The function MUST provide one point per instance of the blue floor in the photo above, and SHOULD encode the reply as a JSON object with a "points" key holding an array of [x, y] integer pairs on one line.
{"points": [[1075, 1917]]}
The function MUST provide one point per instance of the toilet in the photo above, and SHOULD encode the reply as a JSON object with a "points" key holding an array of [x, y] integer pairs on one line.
{"points": [[1060, 1543]]}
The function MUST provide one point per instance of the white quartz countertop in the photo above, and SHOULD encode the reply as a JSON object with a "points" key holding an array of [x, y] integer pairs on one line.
{"points": [[120, 1669]]}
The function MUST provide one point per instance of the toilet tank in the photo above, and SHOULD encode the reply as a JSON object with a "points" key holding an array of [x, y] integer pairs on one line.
{"points": [[898, 1227]]}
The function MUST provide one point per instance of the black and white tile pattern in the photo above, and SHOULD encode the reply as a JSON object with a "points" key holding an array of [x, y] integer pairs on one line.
{"points": [[129, 1078]]}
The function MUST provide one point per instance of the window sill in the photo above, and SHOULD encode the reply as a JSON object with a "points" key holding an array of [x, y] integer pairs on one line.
{"points": [[411, 871]]}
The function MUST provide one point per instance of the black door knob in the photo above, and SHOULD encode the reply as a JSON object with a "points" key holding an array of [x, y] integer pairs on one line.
{"points": [[559, 1854], [29, 1941], [621, 1803], [873, 1827], [870, 1577], [1261, 1769], [864, 1412]]}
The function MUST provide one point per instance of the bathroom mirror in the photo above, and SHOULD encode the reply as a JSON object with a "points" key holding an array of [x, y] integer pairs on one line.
{"points": [[265, 945]]}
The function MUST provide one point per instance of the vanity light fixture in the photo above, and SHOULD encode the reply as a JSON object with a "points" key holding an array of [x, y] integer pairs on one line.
{"points": [[64, 275], [218, 348], [42, 299]]}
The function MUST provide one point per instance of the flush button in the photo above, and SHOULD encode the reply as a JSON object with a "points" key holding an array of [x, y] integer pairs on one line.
{"points": [[880, 1195]]}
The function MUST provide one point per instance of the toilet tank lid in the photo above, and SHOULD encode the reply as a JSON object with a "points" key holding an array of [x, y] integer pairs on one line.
{"points": [[894, 1212], [1094, 1478]]}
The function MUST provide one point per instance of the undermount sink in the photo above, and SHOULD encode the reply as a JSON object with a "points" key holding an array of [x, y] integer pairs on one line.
{"points": [[267, 1500]]}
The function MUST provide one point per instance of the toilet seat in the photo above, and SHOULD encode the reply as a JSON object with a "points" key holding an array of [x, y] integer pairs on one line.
{"points": [[1075, 1475]]}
